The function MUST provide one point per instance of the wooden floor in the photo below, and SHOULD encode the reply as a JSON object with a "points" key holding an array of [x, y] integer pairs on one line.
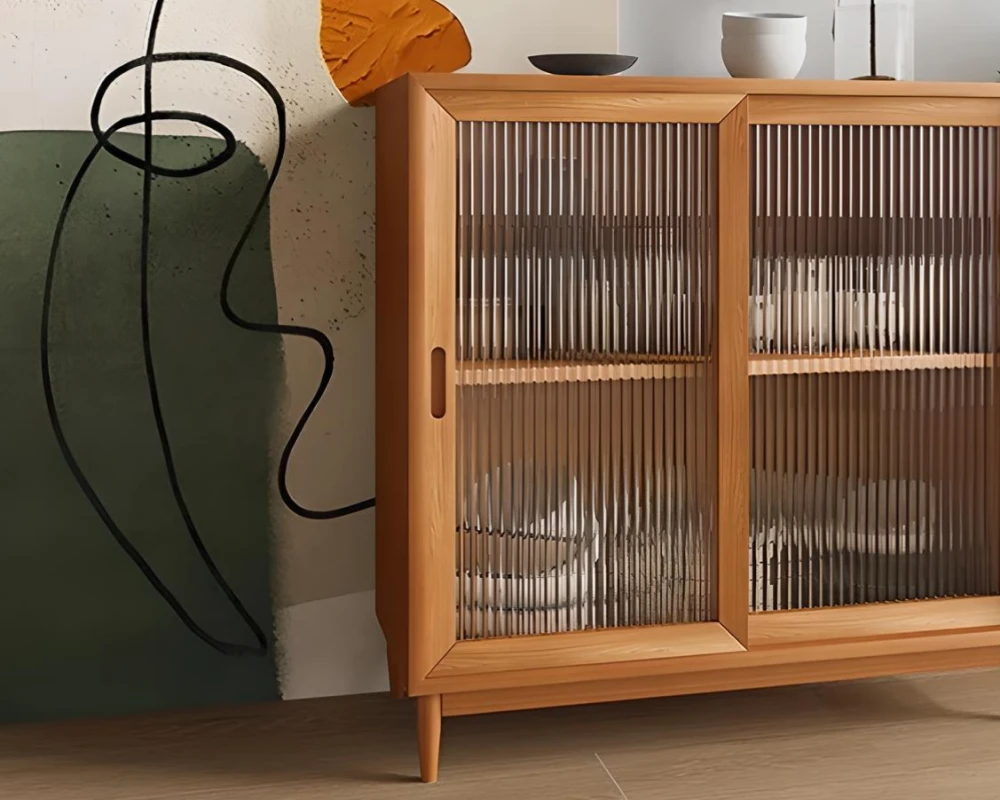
{"points": [[923, 738]]}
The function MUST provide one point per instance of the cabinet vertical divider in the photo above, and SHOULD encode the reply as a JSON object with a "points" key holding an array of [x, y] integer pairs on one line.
{"points": [[730, 365], [993, 336]]}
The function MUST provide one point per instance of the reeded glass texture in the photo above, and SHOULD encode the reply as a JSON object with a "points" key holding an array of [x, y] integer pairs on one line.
{"points": [[872, 331], [586, 256]]}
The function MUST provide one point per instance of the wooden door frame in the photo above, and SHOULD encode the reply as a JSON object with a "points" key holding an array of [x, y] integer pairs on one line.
{"points": [[415, 434], [434, 653], [732, 376]]}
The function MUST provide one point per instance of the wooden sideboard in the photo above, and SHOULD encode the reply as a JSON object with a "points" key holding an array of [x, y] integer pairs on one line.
{"points": [[682, 386]]}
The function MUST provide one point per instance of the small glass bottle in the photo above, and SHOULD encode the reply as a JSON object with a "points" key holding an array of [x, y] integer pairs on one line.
{"points": [[873, 39]]}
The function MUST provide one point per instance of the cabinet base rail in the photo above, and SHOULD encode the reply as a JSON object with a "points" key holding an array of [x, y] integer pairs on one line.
{"points": [[971, 648]]}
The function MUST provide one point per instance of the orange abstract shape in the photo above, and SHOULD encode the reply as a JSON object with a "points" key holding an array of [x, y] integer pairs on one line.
{"points": [[368, 43]]}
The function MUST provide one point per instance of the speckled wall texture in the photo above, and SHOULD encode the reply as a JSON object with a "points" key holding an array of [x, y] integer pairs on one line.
{"points": [[88, 632]]}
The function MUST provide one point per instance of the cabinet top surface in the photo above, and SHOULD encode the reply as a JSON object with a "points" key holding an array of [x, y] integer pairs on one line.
{"points": [[465, 81]]}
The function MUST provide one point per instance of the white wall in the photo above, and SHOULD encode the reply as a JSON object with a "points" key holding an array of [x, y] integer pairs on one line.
{"points": [[956, 40], [503, 34]]}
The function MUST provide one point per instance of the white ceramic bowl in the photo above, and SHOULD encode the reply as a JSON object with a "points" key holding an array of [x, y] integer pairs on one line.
{"points": [[763, 45]]}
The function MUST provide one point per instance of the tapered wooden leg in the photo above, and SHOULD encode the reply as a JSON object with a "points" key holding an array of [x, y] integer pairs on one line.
{"points": [[429, 735]]}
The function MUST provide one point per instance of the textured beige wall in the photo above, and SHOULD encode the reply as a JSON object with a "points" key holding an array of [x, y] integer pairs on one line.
{"points": [[334, 464], [327, 569]]}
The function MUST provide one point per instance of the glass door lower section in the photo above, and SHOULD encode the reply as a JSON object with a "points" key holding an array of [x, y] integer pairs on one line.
{"points": [[871, 487], [587, 504]]}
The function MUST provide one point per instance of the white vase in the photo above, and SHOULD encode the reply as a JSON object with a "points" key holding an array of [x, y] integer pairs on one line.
{"points": [[763, 45]]}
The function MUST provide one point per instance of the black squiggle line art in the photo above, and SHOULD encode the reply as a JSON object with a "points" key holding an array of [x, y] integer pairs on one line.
{"points": [[149, 169]]}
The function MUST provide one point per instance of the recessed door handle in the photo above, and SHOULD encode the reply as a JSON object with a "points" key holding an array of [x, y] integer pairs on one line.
{"points": [[439, 392]]}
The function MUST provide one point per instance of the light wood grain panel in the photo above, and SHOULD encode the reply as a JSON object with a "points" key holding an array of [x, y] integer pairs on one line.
{"points": [[580, 648], [782, 364], [754, 677], [392, 333], [516, 106], [513, 372], [896, 654], [432, 441], [730, 362], [873, 620], [878, 110], [467, 81]]}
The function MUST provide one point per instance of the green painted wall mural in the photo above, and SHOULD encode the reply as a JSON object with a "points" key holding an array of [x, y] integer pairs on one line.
{"points": [[273, 447], [84, 631]]}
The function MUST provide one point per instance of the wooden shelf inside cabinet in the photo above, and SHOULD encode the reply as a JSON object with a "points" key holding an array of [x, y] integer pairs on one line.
{"points": [[802, 364], [527, 220], [854, 235], [516, 372]]}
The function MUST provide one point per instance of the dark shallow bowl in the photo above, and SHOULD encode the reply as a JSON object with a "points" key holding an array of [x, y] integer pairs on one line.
{"points": [[582, 63]]}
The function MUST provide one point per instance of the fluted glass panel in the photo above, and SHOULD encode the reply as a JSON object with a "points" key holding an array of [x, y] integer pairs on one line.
{"points": [[585, 440], [872, 339]]}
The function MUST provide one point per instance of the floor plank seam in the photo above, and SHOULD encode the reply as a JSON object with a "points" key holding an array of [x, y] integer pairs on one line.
{"points": [[612, 777]]}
